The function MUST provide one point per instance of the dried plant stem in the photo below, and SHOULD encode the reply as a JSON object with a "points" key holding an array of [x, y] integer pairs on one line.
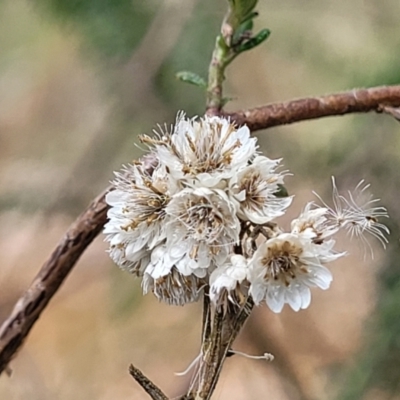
{"points": [[226, 327], [27, 310], [377, 99], [216, 343], [149, 387], [235, 322], [206, 323]]}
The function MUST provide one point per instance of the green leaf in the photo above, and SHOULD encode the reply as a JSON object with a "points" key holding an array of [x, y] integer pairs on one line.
{"points": [[250, 16], [192, 78], [240, 11], [245, 28], [254, 41], [242, 8]]}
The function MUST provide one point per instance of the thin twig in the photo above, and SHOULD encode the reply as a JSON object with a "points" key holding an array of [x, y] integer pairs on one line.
{"points": [[27, 310], [353, 101], [149, 387], [210, 353], [206, 323], [238, 322], [226, 326]]}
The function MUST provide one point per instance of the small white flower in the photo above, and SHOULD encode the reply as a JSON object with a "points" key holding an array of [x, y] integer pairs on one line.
{"points": [[163, 259], [205, 150], [284, 268], [137, 215], [174, 288], [314, 227], [202, 227], [160, 262], [358, 214], [136, 263], [255, 189], [314, 224], [228, 277]]}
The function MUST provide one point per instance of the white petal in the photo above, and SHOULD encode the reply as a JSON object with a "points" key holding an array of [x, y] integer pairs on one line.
{"points": [[305, 294], [257, 292], [275, 300], [293, 298]]}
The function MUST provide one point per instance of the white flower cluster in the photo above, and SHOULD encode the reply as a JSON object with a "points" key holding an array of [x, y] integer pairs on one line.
{"points": [[201, 213]]}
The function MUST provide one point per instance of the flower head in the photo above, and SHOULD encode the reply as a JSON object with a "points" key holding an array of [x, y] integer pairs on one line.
{"points": [[203, 225], [255, 189], [137, 215], [313, 223], [199, 211], [174, 288], [284, 268], [204, 151], [227, 278]]}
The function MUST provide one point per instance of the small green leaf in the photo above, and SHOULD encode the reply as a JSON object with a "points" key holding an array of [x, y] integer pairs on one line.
{"points": [[281, 192], [250, 16], [192, 78], [239, 12], [242, 8], [254, 41], [244, 29]]}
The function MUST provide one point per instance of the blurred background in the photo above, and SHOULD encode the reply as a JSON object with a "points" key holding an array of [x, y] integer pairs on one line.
{"points": [[79, 80]]}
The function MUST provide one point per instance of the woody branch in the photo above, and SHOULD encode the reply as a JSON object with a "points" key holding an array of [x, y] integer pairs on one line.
{"points": [[378, 99]]}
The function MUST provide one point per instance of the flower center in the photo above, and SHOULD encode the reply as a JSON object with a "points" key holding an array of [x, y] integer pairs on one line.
{"points": [[204, 221], [283, 263], [148, 206], [257, 188]]}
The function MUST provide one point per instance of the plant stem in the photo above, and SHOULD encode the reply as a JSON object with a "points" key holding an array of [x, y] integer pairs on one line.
{"points": [[382, 99], [148, 386], [216, 76], [225, 328]]}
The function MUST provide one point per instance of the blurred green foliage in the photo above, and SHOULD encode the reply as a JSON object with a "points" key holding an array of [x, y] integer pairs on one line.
{"points": [[113, 28], [378, 366]]}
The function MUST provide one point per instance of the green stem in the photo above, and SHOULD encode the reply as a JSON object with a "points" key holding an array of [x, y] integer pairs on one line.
{"points": [[216, 76]]}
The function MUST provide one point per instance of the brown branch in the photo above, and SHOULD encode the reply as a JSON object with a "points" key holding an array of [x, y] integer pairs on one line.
{"points": [[148, 386], [29, 307], [353, 101], [226, 327]]}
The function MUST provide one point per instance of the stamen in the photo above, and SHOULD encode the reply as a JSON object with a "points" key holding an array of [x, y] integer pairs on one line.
{"points": [[191, 144], [148, 140]]}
